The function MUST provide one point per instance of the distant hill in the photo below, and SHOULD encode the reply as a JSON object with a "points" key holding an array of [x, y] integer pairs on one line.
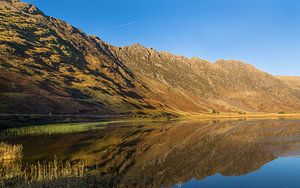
{"points": [[47, 65]]}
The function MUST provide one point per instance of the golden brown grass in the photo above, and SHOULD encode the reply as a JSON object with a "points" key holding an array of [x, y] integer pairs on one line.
{"points": [[17, 174], [10, 152], [50, 170], [14, 173], [242, 116]]}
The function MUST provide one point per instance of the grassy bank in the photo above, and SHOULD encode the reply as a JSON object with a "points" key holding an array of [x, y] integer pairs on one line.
{"points": [[242, 116]]}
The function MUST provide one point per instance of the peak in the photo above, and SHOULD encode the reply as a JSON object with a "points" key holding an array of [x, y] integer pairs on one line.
{"points": [[23, 6], [232, 63], [197, 59], [12, 1], [137, 45]]}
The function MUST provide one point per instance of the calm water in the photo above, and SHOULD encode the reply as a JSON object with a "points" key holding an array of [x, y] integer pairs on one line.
{"points": [[214, 154]]}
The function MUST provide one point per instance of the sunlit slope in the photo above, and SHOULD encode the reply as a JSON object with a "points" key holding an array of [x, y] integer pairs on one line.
{"points": [[193, 84], [47, 65]]}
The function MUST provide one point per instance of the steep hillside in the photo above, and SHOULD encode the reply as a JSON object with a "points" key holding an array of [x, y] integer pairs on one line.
{"points": [[292, 81], [47, 65], [226, 85], [50, 66]]}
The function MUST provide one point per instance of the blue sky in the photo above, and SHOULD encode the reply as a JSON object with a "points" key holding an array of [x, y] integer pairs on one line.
{"points": [[265, 33]]}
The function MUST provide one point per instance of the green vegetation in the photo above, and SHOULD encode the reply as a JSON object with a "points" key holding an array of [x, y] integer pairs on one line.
{"points": [[61, 128]]}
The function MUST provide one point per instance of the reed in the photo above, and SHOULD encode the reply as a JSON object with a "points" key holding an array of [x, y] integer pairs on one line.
{"points": [[50, 170], [17, 174], [10, 152], [14, 173]]}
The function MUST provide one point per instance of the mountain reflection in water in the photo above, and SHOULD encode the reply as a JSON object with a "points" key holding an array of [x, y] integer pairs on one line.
{"points": [[170, 154]]}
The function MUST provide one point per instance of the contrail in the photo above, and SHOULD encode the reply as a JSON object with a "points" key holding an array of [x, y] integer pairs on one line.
{"points": [[122, 26], [130, 23]]}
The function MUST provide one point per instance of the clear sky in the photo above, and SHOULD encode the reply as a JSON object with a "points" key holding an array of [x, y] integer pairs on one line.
{"points": [[265, 33]]}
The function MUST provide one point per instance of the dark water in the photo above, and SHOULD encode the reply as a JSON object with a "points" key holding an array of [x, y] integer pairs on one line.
{"points": [[228, 154]]}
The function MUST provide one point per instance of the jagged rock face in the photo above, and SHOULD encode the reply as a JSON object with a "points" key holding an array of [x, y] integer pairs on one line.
{"points": [[47, 65]]}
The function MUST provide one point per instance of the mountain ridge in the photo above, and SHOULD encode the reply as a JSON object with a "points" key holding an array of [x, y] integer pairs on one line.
{"points": [[48, 66]]}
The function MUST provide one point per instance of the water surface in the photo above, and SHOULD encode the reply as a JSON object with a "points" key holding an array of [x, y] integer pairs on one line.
{"points": [[256, 153]]}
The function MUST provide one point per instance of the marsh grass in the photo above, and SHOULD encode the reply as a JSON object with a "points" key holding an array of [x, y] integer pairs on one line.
{"points": [[16, 174], [50, 170], [10, 152]]}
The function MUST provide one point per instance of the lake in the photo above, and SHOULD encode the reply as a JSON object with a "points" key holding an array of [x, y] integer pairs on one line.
{"points": [[227, 154]]}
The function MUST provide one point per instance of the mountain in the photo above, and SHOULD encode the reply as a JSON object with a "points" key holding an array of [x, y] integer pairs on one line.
{"points": [[47, 65]]}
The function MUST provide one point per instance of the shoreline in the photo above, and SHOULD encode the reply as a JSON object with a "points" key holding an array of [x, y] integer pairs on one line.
{"points": [[12, 121], [244, 116]]}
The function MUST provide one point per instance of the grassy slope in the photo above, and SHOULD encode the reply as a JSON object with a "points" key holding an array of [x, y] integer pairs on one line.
{"points": [[195, 85], [60, 67]]}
